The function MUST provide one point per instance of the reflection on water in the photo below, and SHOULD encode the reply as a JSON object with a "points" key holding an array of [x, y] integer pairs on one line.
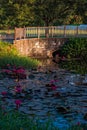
{"points": [[48, 63], [77, 79], [67, 105], [79, 67]]}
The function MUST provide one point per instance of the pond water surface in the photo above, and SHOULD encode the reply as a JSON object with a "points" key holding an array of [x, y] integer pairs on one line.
{"points": [[52, 92]]}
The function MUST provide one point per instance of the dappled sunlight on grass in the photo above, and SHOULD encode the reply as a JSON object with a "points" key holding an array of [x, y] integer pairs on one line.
{"points": [[9, 55]]}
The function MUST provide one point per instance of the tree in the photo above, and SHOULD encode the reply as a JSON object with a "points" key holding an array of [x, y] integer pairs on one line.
{"points": [[16, 13], [22, 13], [50, 12], [81, 10], [55, 12]]}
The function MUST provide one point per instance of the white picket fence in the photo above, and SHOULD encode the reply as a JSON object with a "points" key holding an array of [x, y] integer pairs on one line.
{"points": [[51, 32]]}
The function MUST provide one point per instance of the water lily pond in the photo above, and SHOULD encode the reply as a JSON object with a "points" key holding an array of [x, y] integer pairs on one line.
{"points": [[48, 92]]}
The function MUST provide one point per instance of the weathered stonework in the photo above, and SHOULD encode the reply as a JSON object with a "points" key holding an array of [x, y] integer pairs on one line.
{"points": [[35, 47]]}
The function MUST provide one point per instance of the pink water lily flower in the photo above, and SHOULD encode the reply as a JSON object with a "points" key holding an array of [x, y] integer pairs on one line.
{"points": [[20, 70], [53, 87], [6, 71], [18, 89], [52, 81], [4, 93], [79, 123], [14, 70], [18, 103]]}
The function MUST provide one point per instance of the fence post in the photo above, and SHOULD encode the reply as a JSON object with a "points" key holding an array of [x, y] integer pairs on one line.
{"points": [[77, 31], [52, 31], [47, 32], [64, 31], [15, 33], [38, 32], [24, 32]]}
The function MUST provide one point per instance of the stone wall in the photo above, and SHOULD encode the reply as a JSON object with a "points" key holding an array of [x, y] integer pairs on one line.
{"points": [[41, 48]]}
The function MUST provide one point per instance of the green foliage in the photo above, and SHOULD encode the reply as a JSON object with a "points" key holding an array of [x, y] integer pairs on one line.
{"points": [[7, 49], [14, 120], [75, 48], [21, 13], [52, 12], [17, 121], [75, 66], [18, 61], [16, 13], [9, 55]]}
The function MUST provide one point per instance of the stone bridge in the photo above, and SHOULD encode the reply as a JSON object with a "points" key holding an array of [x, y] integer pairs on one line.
{"points": [[43, 41], [37, 47]]}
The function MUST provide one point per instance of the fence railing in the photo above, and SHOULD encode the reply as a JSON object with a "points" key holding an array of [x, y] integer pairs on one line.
{"points": [[52, 31]]}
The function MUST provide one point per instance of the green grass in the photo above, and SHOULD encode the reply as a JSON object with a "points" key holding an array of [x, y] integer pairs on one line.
{"points": [[14, 120], [18, 61], [9, 55], [17, 121]]}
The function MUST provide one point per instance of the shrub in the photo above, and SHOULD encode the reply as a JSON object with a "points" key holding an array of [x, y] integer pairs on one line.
{"points": [[75, 48], [7, 49], [75, 66]]}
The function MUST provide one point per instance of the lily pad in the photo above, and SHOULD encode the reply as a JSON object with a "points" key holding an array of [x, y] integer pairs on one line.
{"points": [[31, 76]]}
